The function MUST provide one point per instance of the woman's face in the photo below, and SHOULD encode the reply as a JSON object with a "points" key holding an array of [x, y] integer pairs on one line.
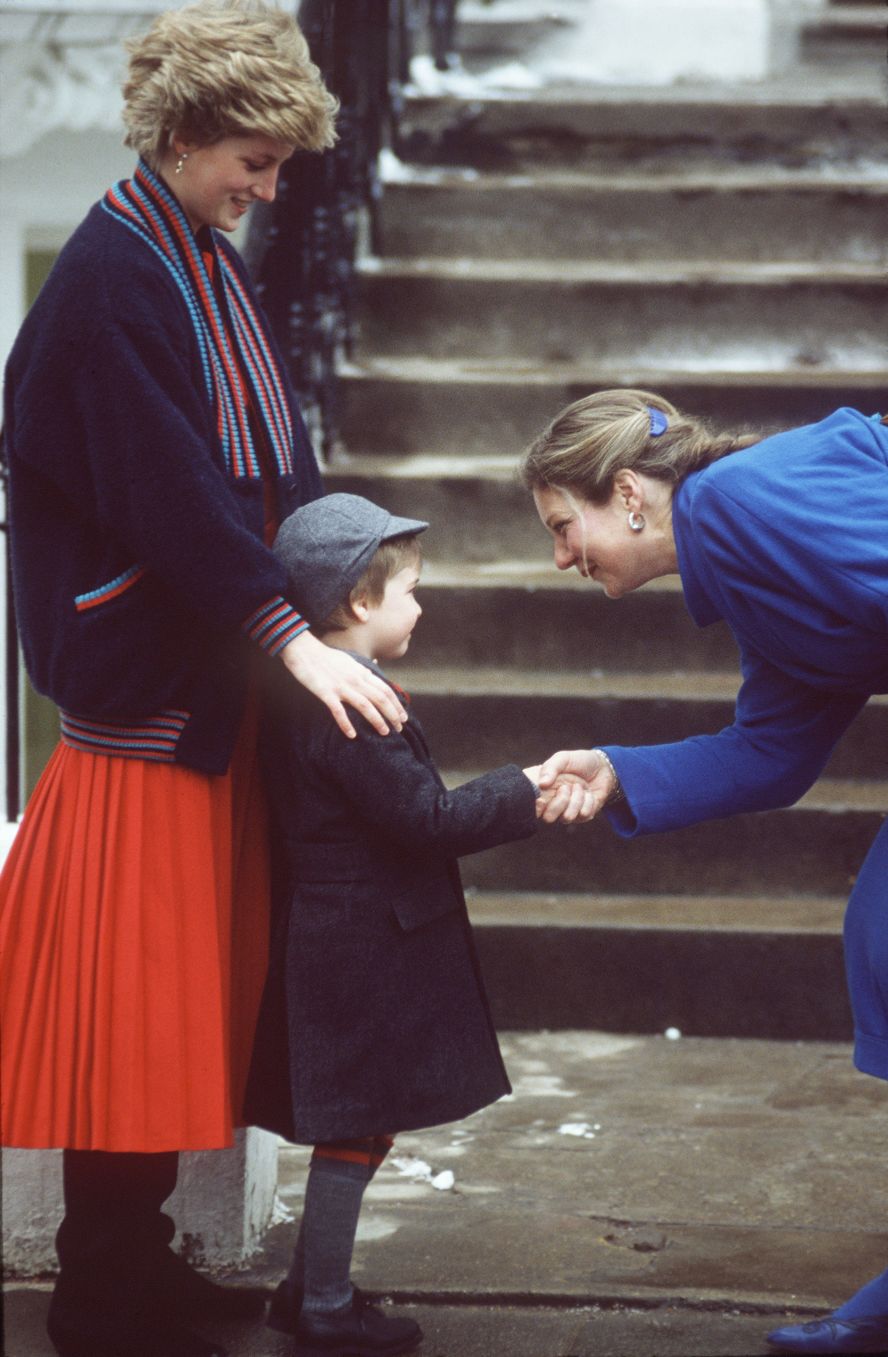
{"points": [[596, 539], [218, 183]]}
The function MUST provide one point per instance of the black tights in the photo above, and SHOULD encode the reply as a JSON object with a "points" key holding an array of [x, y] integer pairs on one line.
{"points": [[112, 1225]]}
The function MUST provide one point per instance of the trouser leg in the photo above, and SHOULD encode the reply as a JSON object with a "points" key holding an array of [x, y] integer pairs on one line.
{"points": [[866, 958]]}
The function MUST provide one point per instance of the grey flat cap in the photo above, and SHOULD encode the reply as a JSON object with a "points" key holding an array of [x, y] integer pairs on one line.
{"points": [[327, 545]]}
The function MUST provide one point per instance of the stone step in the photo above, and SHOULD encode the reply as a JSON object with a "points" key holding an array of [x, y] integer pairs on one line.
{"points": [[847, 32], [505, 31], [478, 510], [762, 214], [517, 615], [492, 716], [729, 314], [438, 406], [521, 616], [718, 966], [814, 115], [813, 848]]}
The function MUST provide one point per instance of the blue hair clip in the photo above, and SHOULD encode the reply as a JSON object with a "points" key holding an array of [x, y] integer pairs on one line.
{"points": [[659, 422]]}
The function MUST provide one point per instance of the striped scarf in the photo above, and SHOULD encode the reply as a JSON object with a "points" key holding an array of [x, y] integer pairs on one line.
{"points": [[146, 207]]}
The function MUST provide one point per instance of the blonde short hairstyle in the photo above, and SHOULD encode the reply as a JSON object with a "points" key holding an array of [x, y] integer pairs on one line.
{"points": [[223, 68], [590, 441]]}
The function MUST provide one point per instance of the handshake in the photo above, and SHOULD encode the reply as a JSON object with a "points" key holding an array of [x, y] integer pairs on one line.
{"points": [[574, 785]]}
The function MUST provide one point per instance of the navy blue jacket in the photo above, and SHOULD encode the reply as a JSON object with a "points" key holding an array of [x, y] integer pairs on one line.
{"points": [[139, 568], [375, 1017]]}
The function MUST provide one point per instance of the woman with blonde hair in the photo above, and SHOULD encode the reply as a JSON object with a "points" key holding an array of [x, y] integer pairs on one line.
{"points": [[784, 538], [153, 445]]}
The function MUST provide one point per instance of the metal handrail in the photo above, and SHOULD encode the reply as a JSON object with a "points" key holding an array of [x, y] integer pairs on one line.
{"points": [[302, 250]]}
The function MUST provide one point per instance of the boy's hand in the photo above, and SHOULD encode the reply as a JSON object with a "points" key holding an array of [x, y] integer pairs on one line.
{"points": [[547, 794], [574, 785], [337, 678]]}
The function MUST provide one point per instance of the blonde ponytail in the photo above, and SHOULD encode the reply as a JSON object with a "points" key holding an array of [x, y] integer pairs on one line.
{"points": [[590, 441]]}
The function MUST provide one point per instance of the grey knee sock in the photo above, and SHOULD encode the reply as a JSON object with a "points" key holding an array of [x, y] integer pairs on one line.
{"points": [[296, 1273], [333, 1198]]}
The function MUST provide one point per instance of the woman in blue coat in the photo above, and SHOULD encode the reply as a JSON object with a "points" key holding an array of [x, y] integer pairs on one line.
{"points": [[786, 539]]}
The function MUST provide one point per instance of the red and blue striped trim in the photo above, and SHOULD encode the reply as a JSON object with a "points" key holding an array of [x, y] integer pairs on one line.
{"points": [[104, 594], [262, 370], [274, 625], [151, 737], [369, 1152], [145, 206]]}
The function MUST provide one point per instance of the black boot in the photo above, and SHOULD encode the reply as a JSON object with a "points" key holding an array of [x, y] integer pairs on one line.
{"points": [[285, 1307], [103, 1304], [186, 1294]]}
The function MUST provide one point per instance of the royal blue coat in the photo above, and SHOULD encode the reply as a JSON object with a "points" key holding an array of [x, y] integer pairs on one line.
{"points": [[787, 542]]}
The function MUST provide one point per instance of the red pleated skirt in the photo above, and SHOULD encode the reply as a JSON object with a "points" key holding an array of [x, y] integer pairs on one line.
{"points": [[133, 949]]}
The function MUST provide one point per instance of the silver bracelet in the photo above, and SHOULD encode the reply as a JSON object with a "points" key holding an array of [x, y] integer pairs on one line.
{"points": [[617, 793]]}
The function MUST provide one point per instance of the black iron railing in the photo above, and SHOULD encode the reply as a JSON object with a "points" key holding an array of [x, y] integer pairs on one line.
{"points": [[302, 249]]}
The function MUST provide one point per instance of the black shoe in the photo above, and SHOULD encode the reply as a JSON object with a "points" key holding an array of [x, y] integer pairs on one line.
{"points": [[359, 1331], [285, 1307], [187, 1294]]}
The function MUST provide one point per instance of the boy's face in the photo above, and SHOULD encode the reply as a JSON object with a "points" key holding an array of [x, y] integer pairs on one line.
{"points": [[391, 621]]}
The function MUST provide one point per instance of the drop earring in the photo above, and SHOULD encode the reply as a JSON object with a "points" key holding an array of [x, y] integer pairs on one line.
{"points": [[636, 521], [180, 163]]}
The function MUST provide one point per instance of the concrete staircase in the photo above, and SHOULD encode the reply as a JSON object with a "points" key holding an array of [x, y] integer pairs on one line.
{"points": [[846, 29], [725, 247]]}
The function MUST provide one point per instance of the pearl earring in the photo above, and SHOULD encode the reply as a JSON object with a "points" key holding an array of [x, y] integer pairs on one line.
{"points": [[636, 521], [180, 163]]}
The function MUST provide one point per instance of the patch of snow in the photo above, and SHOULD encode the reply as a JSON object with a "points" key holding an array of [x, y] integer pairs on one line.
{"points": [[280, 1212], [513, 76], [417, 1169], [578, 1128], [426, 79], [394, 171]]}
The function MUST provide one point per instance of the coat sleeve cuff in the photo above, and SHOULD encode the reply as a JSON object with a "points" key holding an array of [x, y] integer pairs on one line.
{"points": [[274, 625]]}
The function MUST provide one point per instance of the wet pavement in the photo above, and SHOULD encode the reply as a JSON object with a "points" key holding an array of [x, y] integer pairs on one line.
{"points": [[636, 1195]]}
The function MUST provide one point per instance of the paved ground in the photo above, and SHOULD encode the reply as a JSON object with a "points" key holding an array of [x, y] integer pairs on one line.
{"points": [[643, 1196]]}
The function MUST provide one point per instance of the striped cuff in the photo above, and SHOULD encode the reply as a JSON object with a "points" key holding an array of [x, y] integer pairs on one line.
{"points": [[151, 737], [274, 625]]}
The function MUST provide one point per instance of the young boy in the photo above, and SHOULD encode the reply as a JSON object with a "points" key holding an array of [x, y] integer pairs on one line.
{"points": [[374, 981]]}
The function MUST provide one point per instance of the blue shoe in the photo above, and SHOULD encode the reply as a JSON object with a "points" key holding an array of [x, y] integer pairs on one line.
{"points": [[833, 1335]]}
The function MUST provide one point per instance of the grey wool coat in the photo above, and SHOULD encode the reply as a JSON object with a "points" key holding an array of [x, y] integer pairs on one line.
{"points": [[374, 1018]]}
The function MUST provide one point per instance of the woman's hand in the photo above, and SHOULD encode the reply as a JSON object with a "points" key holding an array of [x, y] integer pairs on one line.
{"points": [[576, 784], [337, 678], [544, 797]]}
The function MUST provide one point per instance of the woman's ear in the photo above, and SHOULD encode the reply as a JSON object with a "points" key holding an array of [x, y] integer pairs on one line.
{"points": [[629, 488], [181, 143]]}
